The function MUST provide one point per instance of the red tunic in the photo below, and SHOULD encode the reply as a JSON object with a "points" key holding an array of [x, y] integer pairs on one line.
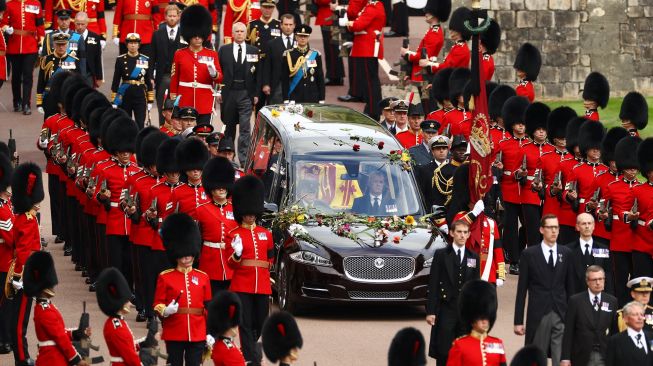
{"points": [[408, 138], [215, 223], [141, 231], [566, 213], [3, 59], [162, 192], [6, 235], [236, 11], [532, 153], [100, 210], [592, 114], [471, 351], [96, 21], [460, 121], [226, 353], [584, 174], [368, 31], [55, 345], [116, 175], [601, 181], [27, 20], [433, 41], [257, 246], [525, 89], [512, 160], [190, 78], [186, 198], [27, 239], [458, 56], [120, 342], [134, 16], [323, 12], [620, 194], [487, 65], [497, 133], [438, 116], [549, 164], [644, 233], [483, 241]]}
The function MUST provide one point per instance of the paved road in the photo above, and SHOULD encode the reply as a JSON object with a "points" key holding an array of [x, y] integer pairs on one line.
{"points": [[335, 335]]}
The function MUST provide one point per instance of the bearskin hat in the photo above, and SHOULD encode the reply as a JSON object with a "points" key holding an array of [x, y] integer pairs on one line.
{"points": [[4, 149], [150, 146], [191, 154], [6, 171], [645, 156], [489, 87], [491, 38], [26, 187], [415, 109], [497, 99], [440, 84], [535, 117], [590, 136], [407, 348], [477, 300], [528, 60], [634, 108], [457, 81], [73, 102], [440, 9], [597, 89], [248, 197], [612, 137], [571, 136], [529, 356], [39, 273], [165, 157], [280, 335], [93, 102], [95, 124], [107, 118], [457, 22], [181, 236], [195, 22], [140, 136], [224, 312], [112, 291], [3, 5], [121, 136], [625, 153], [556, 122], [218, 173], [513, 111], [54, 96], [69, 88]]}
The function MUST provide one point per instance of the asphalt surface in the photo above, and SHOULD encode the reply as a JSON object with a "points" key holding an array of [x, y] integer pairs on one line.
{"points": [[333, 335]]}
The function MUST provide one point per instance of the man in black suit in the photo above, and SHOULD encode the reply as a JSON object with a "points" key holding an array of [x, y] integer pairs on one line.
{"points": [[239, 62], [376, 200], [586, 251], [271, 78], [90, 49], [632, 346], [591, 319], [387, 114], [165, 42], [546, 275], [452, 267]]}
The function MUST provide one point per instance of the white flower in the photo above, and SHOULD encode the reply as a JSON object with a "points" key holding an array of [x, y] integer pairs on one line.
{"points": [[297, 230]]}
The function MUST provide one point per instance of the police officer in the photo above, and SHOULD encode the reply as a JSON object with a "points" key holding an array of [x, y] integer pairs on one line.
{"points": [[59, 60], [131, 89], [303, 78]]}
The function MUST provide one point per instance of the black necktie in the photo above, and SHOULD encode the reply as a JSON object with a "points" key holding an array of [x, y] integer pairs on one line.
{"points": [[587, 250], [460, 256], [596, 303], [288, 43], [550, 261], [640, 345], [240, 54]]}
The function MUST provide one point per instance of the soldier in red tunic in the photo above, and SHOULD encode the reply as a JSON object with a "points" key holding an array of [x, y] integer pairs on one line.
{"points": [[6, 247], [644, 195], [251, 260], [596, 93], [440, 92], [634, 113], [495, 103], [3, 47], [489, 44], [182, 292], [282, 338], [412, 136], [458, 121], [54, 340], [478, 311], [527, 65], [113, 294], [191, 155], [459, 54], [224, 319], [407, 348], [134, 16]]}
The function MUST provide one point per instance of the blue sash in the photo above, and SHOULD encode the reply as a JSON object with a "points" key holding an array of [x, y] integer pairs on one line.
{"points": [[300, 73], [69, 58], [74, 38], [124, 86]]}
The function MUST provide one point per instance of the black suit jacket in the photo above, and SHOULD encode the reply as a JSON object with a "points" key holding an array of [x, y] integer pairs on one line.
{"points": [[585, 327], [600, 257], [273, 66], [548, 290], [443, 288], [162, 52], [364, 205], [94, 56], [622, 351], [252, 72]]}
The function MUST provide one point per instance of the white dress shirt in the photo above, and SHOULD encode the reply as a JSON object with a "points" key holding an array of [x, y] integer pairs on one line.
{"points": [[633, 335], [174, 30], [546, 250], [583, 243], [373, 199], [243, 54]]}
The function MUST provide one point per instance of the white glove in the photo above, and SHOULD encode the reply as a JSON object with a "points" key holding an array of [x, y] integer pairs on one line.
{"points": [[479, 206], [444, 229], [210, 341], [40, 110], [116, 41], [17, 285], [212, 71], [343, 21], [172, 308], [499, 282], [149, 107], [114, 106], [237, 245], [103, 43], [43, 143], [9, 30]]}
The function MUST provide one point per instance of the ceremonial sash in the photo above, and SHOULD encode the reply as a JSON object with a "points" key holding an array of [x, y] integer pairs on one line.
{"points": [[124, 86], [74, 38], [490, 253], [68, 59], [300, 73]]}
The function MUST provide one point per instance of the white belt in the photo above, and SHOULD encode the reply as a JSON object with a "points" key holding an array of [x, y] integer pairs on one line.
{"points": [[211, 244], [46, 343], [195, 85], [615, 217], [113, 204], [116, 359], [360, 33], [507, 173], [530, 177]]}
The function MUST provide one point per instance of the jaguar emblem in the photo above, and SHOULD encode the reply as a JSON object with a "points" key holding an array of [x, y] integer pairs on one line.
{"points": [[379, 263]]}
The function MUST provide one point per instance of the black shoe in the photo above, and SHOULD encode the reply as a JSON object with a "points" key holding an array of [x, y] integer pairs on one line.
{"points": [[91, 288], [26, 110], [67, 252], [27, 362], [18, 108], [5, 348], [349, 98], [514, 269], [44, 243], [334, 82], [391, 34], [88, 281], [78, 267], [58, 240], [84, 273], [140, 317]]}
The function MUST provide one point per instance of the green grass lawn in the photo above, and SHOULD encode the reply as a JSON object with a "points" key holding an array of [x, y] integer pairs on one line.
{"points": [[609, 115]]}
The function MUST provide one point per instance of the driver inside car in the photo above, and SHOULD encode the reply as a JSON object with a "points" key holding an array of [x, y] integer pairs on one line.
{"points": [[376, 201]]}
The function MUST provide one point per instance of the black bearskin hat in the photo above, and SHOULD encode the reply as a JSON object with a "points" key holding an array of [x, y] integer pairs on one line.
{"points": [[149, 148], [535, 117], [645, 156], [489, 87], [556, 123], [457, 22], [95, 124], [597, 89], [571, 136], [590, 136], [140, 136], [26, 187], [513, 111], [181, 236], [93, 102], [106, 119], [457, 81], [191, 154], [528, 60], [73, 102], [4, 149], [248, 197], [407, 348], [497, 99], [195, 22], [477, 300], [280, 335], [415, 109], [441, 84], [634, 108], [112, 291], [529, 356], [54, 96], [121, 136], [612, 137], [491, 38], [218, 173], [165, 157], [440, 9], [69, 87], [3, 5], [39, 273], [224, 313], [6, 171], [625, 153]]}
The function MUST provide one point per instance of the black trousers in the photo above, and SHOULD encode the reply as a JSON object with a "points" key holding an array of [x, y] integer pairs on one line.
{"points": [[367, 76], [254, 310], [622, 267], [510, 227], [21, 309], [87, 234], [22, 77], [335, 68], [119, 254], [135, 102], [91, 248], [184, 353], [140, 255], [63, 211], [5, 314], [642, 264], [354, 87], [73, 238], [101, 237], [217, 286], [156, 262], [567, 234], [530, 219], [399, 22], [55, 207], [236, 109]]}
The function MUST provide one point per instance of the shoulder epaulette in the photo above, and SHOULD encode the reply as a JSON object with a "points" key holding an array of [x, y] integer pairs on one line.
{"points": [[616, 181], [116, 323], [200, 271], [167, 271]]}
